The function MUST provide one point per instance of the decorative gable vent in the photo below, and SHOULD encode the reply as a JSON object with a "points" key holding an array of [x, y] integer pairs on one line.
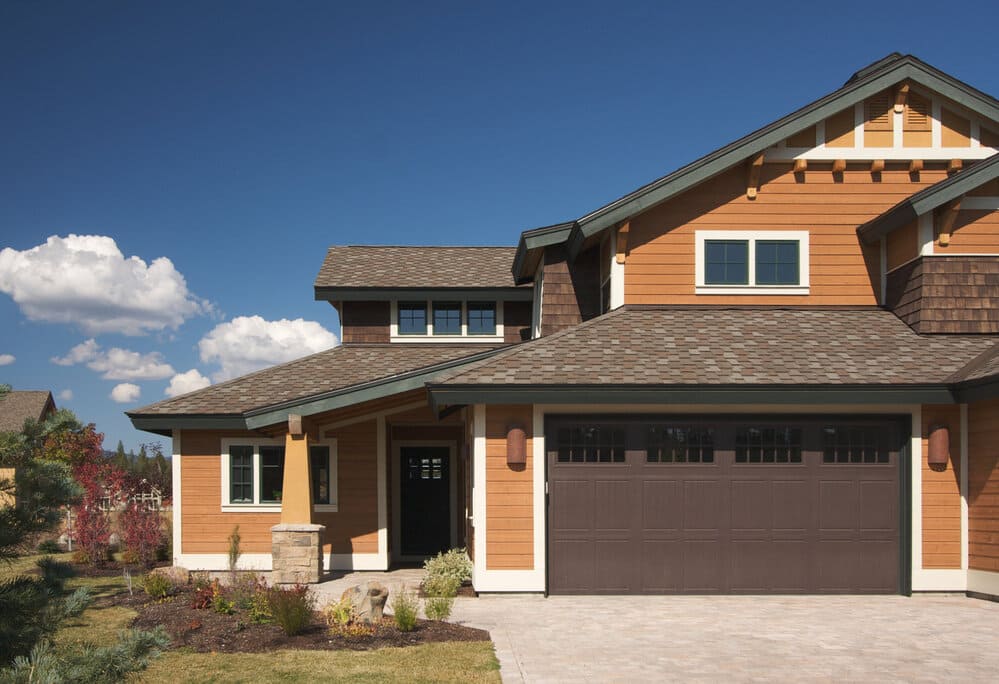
{"points": [[877, 112], [917, 113]]}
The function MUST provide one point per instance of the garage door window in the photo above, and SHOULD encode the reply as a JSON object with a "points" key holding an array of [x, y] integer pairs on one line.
{"points": [[591, 444], [767, 444], [853, 445], [680, 444]]}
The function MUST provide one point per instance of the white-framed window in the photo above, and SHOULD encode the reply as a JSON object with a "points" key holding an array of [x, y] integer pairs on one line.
{"points": [[759, 262], [323, 476], [446, 320], [253, 475]]}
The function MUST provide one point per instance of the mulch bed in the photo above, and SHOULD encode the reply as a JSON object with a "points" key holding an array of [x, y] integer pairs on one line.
{"points": [[208, 631]]}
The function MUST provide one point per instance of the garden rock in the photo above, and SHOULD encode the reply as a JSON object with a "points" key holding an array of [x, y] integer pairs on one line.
{"points": [[368, 600], [177, 575]]}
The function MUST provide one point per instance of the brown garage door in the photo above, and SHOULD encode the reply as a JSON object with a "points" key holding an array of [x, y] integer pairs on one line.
{"points": [[737, 505]]}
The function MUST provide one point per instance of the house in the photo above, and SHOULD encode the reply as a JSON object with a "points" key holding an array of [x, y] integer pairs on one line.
{"points": [[774, 370], [17, 406]]}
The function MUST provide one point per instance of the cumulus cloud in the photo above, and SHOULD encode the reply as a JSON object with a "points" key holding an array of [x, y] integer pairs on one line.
{"points": [[249, 343], [66, 395], [7, 359], [86, 281], [117, 363], [182, 383], [125, 392]]}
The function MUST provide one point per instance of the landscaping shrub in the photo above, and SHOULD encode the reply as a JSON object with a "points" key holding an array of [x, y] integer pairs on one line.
{"points": [[341, 618], [438, 607], [234, 552], [454, 563], [405, 607], [291, 607], [157, 586], [141, 534], [441, 586], [259, 610], [204, 593], [49, 546]]}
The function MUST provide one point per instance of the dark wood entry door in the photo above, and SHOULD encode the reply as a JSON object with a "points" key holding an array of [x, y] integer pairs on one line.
{"points": [[425, 499]]}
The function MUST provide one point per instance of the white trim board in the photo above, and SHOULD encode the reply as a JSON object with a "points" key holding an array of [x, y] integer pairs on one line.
{"points": [[867, 154], [175, 473], [262, 561], [751, 237], [983, 582], [431, 337]]}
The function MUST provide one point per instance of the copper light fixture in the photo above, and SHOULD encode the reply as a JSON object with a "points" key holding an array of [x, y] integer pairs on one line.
{"points": [[516, 445], [938, 449]]}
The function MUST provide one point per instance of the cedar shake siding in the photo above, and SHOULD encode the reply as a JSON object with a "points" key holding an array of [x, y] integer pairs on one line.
{"points": [[983, 486], [660, 267], [364, 322], [570, 294], [942, 493], [516, 321], [509, 493], [946, 294]]}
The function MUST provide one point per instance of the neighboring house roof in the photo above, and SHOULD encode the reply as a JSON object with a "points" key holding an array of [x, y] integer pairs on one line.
{"points": [[359, 272], [700, 349], [337, 377], [866, 82], [19, 405], [930, 198]]}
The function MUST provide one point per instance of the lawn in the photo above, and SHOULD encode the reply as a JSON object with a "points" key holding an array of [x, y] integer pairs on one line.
{"points": [[440, 662]]}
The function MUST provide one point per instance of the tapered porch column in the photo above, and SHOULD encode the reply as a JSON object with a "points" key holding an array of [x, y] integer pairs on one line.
{"points": [[296, 544]]}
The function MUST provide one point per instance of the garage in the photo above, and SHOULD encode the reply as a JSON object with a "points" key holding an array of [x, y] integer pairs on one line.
{"points": [[730, 504]]}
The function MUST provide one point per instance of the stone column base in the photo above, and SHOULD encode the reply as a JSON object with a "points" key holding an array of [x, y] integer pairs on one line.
{"points": [[296, 553]]}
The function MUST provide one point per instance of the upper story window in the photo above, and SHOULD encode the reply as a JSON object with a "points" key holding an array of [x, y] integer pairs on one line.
{"points": [[752, 262], [480, 321]]}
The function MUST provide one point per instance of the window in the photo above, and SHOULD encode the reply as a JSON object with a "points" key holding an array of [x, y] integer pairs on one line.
{"points": [[412, 318], [481, 318], [680, 444], [447, 318], [252, 474], [853, 444], [591, 444], [751, 262], [767, 444], [322, 470]]}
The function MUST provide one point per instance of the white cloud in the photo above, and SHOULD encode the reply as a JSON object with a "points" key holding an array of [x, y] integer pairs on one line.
{"points": [[85, 280], [125, 392], [249, 343], [66, 395], [182, 383], [117, 363], [7, 359]]}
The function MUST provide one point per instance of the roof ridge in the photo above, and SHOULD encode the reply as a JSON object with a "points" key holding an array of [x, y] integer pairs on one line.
{"points": [[978, 362]]}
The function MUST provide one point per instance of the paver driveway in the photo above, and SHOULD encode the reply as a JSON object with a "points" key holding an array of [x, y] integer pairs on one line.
{"points": [[814, 638]]}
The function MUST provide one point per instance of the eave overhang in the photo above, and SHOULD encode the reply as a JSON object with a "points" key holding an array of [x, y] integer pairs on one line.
{"points": [[929, 199], [385, 294], [531, 248], [445, 395]]}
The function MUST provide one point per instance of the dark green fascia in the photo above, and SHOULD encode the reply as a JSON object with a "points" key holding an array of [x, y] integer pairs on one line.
{"points": [[929, 199], [688, 176], [380, 294], [525, 261], [980, 391], [164, 424], [441, 395]]}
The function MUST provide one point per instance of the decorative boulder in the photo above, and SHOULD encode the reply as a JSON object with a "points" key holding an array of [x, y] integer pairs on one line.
{"points": [[368, 600], [177, 575]]}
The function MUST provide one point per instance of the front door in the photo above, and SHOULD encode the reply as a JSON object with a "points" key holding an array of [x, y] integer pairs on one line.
{"points": [[425, 499]]}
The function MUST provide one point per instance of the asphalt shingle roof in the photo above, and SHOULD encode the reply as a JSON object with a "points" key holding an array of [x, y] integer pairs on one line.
{"points": [[335, 369], [417, 267], [19, 405], [730, 346]]}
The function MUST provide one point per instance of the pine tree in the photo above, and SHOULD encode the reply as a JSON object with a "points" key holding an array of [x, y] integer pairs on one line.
{"points": [[120, 459], [142, 463]]}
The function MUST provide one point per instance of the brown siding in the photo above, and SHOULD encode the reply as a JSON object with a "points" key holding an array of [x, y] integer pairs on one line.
{"points": [[942, 494], [942, 294], [901, 245], [354, 527], [955, 130], [974, 232], [570, 294], [509, 493], [660, 266], [840, 129], [364, 322], [516, 321], [983, 486], [204, 528]]}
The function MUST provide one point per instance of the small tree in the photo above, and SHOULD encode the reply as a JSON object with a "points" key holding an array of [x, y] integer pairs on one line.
{"points": [[92, 531], [141, 533]]}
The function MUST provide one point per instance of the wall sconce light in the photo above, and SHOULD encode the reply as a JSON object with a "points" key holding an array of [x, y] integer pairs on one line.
{"points": [[516, 445], [938, 445]]}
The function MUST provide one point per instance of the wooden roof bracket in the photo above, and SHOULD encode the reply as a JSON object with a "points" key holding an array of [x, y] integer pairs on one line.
{"points": [[901, 95], [839, 166], [877, 165], [800, 165], [753, 181], [954, 166], [947, 218], [622, 242]]}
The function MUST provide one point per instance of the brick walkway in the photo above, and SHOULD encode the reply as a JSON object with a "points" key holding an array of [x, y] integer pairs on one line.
{"points": [[815, 638]]}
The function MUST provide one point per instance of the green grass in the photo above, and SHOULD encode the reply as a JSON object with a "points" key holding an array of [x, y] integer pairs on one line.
{"points": [[473, 662]]}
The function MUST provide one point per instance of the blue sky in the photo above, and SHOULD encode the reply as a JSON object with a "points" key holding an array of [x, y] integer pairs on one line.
{"points": [[237, 140]]}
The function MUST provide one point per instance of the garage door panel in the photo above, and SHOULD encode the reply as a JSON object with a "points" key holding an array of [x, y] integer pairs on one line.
{"points": [[703, 567], [702, 502], [881, 563], [839, 502], [662, 508], [792, 506], [751, 505], [878, 507], [571, 509], [662, 567], [573, 567], [614, 566], [612, 505]]}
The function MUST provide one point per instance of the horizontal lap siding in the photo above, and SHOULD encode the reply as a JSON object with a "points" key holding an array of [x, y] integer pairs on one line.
{"points": [[354, 527], [660, 263], [509, 493], [941, 495], [974, 232], [204, 527], [983, 486]]}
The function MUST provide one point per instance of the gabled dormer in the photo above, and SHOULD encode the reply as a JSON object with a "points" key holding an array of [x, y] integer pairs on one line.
{"points": [[389, 294]]}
